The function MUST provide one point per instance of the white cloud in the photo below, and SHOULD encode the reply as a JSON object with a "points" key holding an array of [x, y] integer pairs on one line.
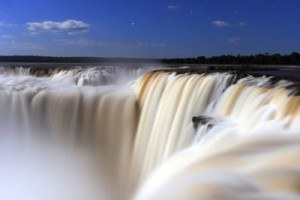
{"points": [[220, 23], [173, 7], [235, 40], [68, 26]]}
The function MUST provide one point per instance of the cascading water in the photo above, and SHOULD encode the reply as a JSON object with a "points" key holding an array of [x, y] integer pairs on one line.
{"points": [[76, 134], [246, 148], [95, 122]]}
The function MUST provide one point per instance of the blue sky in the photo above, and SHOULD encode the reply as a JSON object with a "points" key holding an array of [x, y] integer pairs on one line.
{"points": [[143, 28]]}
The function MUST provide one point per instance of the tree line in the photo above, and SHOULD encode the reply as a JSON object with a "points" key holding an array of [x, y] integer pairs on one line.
{"points": [[51, 59], [261, 59]]}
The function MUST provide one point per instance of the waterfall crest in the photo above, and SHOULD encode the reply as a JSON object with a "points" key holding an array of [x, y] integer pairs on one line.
{"points": [[96, 122], [245, 146], [162, 136]]}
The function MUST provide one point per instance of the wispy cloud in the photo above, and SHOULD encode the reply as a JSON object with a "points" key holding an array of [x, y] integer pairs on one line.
{"points": [[221, 23], [241, 24], [95, 43], [7, 36], [235, 40], [91, 43], [4, 24], [173, 7], [68, 26], [23, 45], [150, 45]]}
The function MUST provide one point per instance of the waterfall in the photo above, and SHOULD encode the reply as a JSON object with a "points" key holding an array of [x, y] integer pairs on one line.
{"points": [[84, 134], [246, 145], [168, 103]]}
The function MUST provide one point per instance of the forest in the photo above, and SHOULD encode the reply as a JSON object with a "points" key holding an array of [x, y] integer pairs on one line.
{"points": [[258, 59]]}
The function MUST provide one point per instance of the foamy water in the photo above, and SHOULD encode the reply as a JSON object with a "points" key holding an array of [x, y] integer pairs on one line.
{"points": [[87, 134]]}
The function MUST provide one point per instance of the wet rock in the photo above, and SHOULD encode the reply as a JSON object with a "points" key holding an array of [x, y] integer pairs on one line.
{"points": [[203, 120]]}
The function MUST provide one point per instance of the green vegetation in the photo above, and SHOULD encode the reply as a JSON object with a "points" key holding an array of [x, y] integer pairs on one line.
{"points": [[261, 59], [240, 68], [50, 59]]}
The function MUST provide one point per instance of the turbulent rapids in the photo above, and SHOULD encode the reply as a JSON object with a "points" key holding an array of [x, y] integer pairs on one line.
{"points": [[109, 133]]}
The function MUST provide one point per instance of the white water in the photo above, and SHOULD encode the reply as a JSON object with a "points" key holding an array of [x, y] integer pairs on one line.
{"points": [[251, 151], [71, 136]]}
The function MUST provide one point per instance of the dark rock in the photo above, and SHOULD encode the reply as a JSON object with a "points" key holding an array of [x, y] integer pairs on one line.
{"points": [[202, 120]]}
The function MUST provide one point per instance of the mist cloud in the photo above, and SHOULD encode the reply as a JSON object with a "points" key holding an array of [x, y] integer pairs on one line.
{"points": [[68, 26]]}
